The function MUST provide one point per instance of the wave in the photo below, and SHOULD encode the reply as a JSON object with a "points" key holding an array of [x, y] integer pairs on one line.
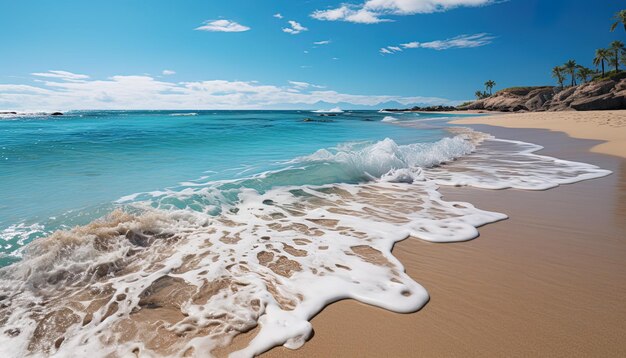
{"points": [[20, 115], [183, 114], [389, 119], [165, 275], [332, 110]]}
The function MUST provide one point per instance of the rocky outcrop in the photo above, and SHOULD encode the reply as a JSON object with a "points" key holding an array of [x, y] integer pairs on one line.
{"points": [[424, 109], [596, 95]]}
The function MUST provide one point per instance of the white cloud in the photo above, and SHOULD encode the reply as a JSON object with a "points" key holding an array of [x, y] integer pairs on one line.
{"points": [[295, 28], [278, 15], [168, 72], [303, 85], [62, 75], [373, 11], [385, 51], [299, 84], [145, 92], [462, 41], [350, 14], [411, 45], [325, 42], [222, 26]]}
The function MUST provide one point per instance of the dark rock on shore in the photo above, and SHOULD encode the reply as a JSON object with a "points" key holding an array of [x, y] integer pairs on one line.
{"points": [[8, 112], [597, 95], [424, 109], [56, 114]]}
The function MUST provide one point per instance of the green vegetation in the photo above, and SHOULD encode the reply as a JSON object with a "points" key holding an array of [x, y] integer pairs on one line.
{"points": [[612, 56], [570, 67], [559, 75], [602, 55], [620, 16], [584, 74], [617, 50], [481, 94], [489, 85]]}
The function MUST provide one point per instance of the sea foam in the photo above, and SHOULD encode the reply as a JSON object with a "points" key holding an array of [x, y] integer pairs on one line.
{"points": [[181, 272]]}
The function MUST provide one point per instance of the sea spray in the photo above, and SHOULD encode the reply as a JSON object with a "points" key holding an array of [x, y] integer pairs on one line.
{"points": [[182, 271]]}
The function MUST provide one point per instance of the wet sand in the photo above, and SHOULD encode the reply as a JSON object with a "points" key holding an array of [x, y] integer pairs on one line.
{"points": [[550, 281], [607, 126]]}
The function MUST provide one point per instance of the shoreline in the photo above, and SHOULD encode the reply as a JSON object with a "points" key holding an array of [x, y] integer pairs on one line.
{"points": [[606, 126], [548, 281]]}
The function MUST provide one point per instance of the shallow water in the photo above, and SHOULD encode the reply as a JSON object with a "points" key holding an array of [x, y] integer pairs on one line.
{"points": [[213, 224], [82, 162]]}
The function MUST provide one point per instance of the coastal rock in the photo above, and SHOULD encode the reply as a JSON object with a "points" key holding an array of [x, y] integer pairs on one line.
{"points": [[56, 114], [604, 102], [515, 100], [423, 109], [595, 95]]}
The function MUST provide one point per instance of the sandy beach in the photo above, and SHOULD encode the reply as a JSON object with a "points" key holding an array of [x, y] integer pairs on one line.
{"points": [[550, 281], [606, 126]]}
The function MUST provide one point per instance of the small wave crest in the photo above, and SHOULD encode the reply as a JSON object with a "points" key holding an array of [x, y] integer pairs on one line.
{"points": [[184, 114], [183, 280], [379, 159], [332, 110]]}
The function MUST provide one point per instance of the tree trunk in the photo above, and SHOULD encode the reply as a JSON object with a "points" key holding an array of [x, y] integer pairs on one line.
{"points": [[602, 67]]}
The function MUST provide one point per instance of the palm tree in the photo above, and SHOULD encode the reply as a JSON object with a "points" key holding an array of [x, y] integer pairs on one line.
{"points": [[570, 67], [617, 48], [479, 95], [602, 55], [584, 73], [620, 17], [557, 72], [489, 85]]}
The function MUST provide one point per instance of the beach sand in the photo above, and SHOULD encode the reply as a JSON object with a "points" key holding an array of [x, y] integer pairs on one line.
{"points": [[606, 126], [550, 281]]}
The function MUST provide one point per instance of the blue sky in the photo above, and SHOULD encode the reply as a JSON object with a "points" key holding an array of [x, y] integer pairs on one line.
{"points": [[118, 50]]}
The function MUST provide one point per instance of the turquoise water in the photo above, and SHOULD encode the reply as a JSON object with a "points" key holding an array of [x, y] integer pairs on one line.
{"points": [[57, 172]]}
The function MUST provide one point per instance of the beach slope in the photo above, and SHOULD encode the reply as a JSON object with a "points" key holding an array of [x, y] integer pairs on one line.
{"points": [[607, 126], [549, 281]]}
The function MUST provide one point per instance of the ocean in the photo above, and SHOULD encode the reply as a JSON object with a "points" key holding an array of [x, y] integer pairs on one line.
{"points": [[170, 232]]}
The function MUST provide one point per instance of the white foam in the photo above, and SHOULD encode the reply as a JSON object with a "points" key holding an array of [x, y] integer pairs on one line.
{"points": [[184, 114], [332, 110], [272, 259], [329, 264], [384, 156], [502, 164], [389, 119]]}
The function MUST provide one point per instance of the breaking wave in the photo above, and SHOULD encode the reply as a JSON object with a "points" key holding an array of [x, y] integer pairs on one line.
{"points": [[182, 272]]}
